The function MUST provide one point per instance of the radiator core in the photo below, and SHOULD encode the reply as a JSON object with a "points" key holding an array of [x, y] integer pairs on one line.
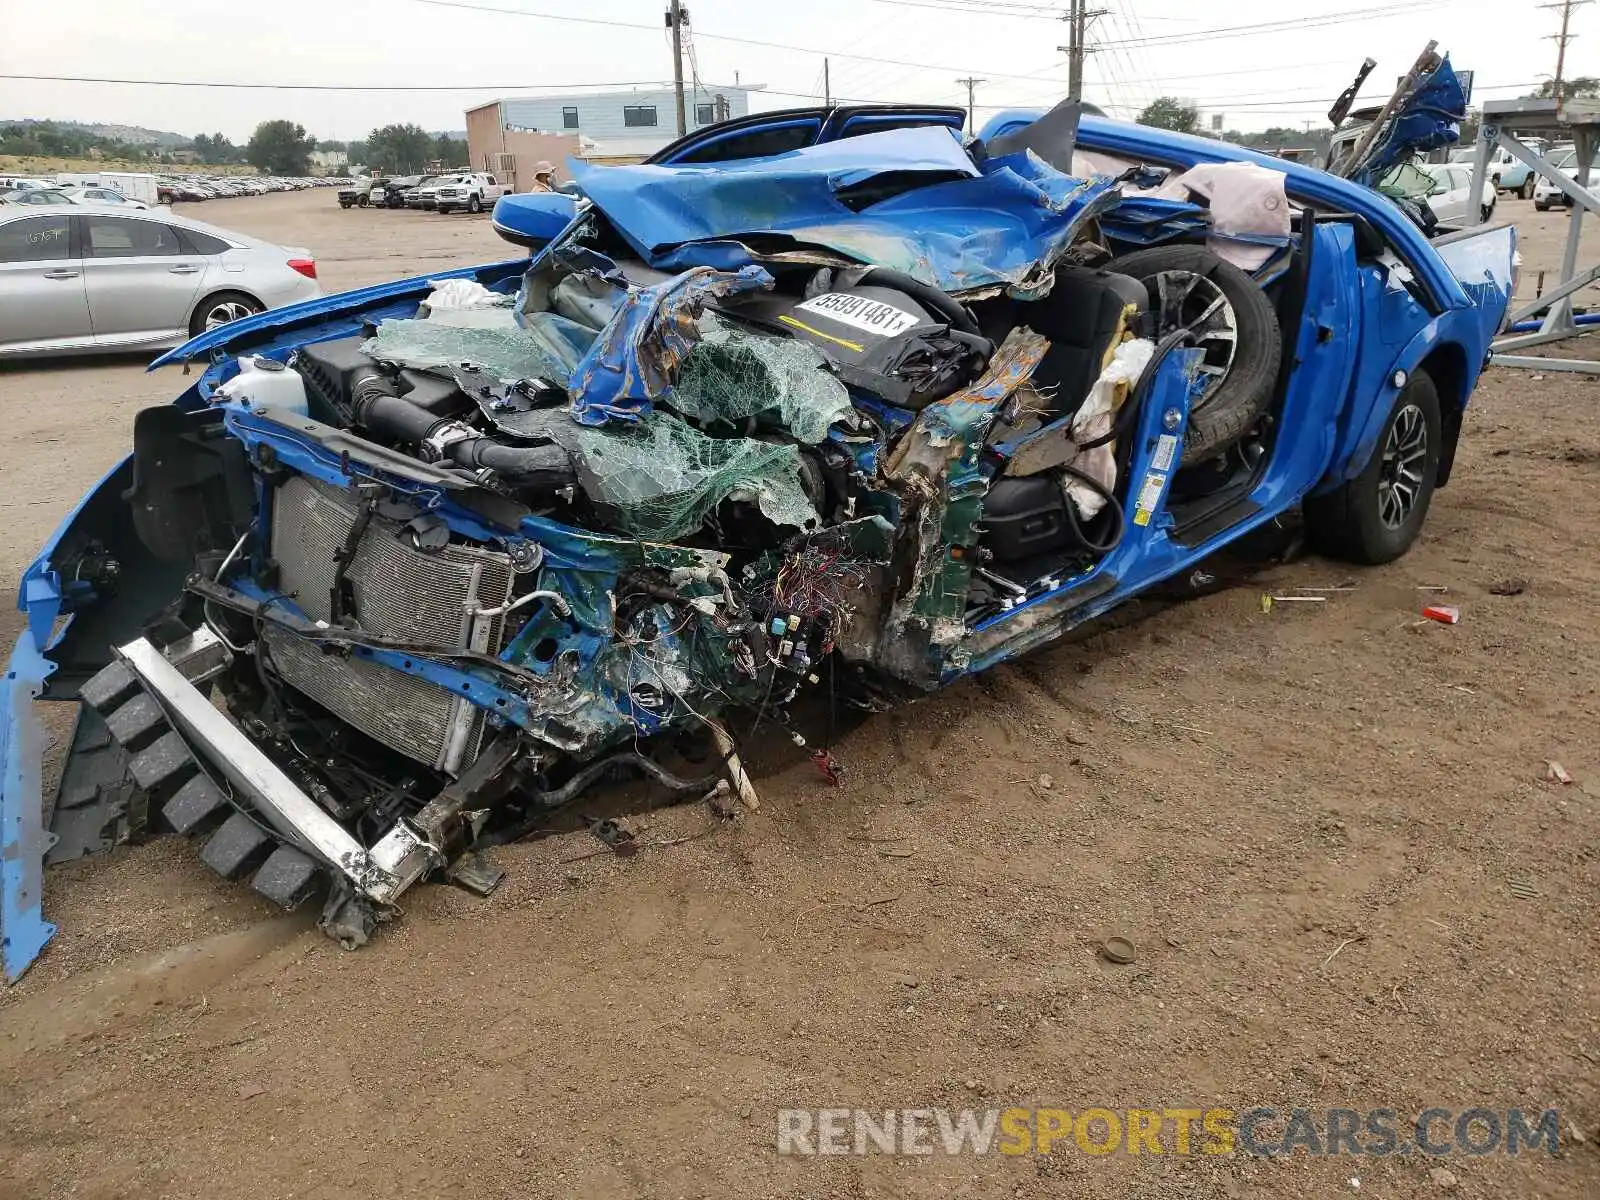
{"points": [[398, 592]]}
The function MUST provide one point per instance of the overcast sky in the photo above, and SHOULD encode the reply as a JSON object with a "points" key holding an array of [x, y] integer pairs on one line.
{"points": [[879, 50]]}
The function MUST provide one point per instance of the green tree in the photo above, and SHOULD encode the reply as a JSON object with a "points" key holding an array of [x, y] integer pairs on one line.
{"points": [[1168, 112], [449, 151], [1585, 86], [214, 148], [399, 149], [357, 151], [280, 148]]}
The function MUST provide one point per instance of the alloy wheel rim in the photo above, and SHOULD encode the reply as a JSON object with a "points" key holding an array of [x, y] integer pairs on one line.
{"points": [[1405, 453], [1188, 298], [228, 310]]}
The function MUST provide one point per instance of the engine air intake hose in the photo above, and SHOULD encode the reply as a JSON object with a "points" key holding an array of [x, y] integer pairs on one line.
{"points": [[377, 409]]}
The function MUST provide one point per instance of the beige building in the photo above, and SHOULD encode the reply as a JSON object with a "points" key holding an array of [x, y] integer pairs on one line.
{"points": [[510, 154], [508, 136]]}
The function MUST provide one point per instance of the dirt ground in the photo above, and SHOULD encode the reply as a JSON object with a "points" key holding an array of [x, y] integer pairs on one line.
{"points": [[1327, 828]]}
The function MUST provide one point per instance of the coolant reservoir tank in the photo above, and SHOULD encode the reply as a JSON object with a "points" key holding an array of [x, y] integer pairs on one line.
{"points": [[265, 383]]}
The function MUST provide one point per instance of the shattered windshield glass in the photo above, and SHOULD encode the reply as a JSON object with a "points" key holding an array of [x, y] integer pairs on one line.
{"points": [[662, 477], [734, 374]]}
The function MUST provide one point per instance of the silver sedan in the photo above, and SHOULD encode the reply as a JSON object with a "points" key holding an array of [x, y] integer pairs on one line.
{"points": [[82, 279]]}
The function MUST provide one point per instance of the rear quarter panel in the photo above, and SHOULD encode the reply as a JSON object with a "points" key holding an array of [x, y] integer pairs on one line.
{"points": [[1401, 336]]}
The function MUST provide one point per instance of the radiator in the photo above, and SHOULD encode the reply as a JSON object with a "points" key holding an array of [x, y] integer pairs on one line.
{"points": [[399, 592]]}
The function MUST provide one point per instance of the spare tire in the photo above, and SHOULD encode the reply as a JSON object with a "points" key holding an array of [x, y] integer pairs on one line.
{"points": [[1235, 327]]}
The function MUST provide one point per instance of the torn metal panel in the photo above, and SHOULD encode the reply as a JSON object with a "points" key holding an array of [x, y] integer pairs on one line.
{"points": [[938, 472], [635, 358]]}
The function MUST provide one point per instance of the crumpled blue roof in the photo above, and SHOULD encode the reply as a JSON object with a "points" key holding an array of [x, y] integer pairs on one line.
{"points": [[943, 218]]}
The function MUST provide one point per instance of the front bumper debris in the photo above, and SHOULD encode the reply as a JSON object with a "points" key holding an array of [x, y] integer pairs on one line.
{"points": [[219, 748]]}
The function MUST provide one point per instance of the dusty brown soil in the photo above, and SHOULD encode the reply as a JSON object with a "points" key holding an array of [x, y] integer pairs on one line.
{"points": [[1309, 820]]}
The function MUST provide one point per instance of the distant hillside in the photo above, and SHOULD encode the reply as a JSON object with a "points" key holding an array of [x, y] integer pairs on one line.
{"points": [[133, 135]]}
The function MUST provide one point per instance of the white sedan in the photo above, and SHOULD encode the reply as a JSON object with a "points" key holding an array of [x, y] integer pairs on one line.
{"points": [[1452, 201], [77, 279], [100, 195]]}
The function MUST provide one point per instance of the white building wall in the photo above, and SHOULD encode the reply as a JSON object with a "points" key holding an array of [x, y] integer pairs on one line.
{"points": [[604, 116]]}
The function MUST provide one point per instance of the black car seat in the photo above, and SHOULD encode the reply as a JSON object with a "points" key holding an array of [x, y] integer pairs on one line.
{"points": [[1085, 318]]}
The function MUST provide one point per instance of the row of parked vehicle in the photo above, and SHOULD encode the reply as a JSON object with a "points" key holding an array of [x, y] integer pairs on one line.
{"points": [[207, 187], [466, 191]]}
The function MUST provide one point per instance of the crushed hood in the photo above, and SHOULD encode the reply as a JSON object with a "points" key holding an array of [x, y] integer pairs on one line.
{"points": [[913, 200]]}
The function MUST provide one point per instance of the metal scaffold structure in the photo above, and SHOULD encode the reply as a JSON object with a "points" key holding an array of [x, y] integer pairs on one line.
{"points": [[1505, 124]]}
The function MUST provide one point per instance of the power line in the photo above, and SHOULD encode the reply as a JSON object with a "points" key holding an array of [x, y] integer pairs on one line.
{"points": [[337, 87], [1306, 103], [1032, 12], [1313, 21]]}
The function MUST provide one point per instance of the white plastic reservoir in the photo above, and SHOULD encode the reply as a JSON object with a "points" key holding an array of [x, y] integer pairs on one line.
{"points": [[266, 383]]}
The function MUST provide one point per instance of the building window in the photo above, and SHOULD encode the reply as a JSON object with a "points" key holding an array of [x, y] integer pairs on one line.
{"points": [[569, 117], [639, 114], [705, 114]]}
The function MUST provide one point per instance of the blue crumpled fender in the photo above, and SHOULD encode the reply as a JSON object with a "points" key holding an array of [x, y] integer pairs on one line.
{"points": [[635, 358], [23, 929], [23, 838]]}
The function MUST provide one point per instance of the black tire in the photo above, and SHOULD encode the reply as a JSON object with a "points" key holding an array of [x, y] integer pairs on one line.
{"points": [[474, 204], [346, 203], [1486, 212], [220, 303], [363, 201], [1526, 190], [1243, 391], [1352, 522]]}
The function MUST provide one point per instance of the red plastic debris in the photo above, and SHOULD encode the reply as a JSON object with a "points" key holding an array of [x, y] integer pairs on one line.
{"points": [[1445, 614], [831, 770]]}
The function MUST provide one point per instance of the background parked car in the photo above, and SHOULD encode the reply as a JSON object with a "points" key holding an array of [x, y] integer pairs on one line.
{"points": [[421, 196], [101, 195], [35, 196], [1547, 195], [1451, 199], [362, 193], [1507, 172], [76, 279], [394, 195], [133, 185], [474, 192]]}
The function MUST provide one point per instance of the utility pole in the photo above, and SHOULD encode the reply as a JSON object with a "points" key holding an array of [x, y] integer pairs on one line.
{"points": [[675, 16], [971, 84], [827, 86], [1561, 39], [1077, 48]]}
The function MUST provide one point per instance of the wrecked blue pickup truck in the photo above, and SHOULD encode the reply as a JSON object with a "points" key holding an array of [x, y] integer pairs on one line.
{"points": [[404, 571]]}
